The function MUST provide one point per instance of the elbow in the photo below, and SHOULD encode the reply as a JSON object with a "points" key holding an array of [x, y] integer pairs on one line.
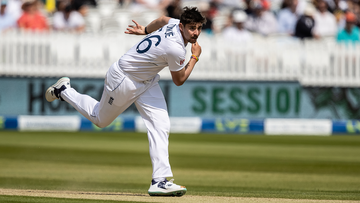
{"points": [[178, 83], [178, 78]]}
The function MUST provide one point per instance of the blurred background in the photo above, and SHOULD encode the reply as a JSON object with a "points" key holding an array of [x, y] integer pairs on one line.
{"points": [[266, 66]]}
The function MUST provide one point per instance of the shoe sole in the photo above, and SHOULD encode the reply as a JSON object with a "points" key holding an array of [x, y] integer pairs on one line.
{"points": [[48, 94], [178, 193]]}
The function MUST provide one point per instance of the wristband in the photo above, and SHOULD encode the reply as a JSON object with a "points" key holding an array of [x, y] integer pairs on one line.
{"points": [[195, 57], [146, 31]]}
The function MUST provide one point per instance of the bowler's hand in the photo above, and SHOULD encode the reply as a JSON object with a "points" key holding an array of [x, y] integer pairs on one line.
{"points": [[136, 29], [196, 49]]}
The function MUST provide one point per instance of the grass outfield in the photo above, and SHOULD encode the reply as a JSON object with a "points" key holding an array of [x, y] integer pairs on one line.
{"points": [[294, 167], [25, 199]]}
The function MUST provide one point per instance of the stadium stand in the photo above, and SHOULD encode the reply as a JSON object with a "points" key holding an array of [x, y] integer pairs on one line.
{"points": [[321, 62]]}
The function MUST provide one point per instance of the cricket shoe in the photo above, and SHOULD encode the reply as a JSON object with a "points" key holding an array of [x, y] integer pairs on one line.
{"points": [[166, 188], [53, 92]]}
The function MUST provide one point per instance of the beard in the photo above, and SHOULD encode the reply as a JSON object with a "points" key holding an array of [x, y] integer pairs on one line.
{"points": [[192, 40]]}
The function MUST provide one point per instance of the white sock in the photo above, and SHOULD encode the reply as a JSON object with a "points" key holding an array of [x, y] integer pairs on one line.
{"points": [[159, 179]]}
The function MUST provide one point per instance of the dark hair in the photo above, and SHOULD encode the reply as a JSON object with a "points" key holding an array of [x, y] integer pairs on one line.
{"points": [[68, 8], [191, 15], [28, 4]]}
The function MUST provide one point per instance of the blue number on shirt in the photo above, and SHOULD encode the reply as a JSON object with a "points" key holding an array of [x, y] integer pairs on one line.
{"points": [[149, 45]]}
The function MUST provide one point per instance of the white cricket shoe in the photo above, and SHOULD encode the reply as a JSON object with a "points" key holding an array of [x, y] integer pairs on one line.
{"points": [[166, 188], [53, 92]]}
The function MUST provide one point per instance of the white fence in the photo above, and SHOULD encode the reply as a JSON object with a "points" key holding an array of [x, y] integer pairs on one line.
{"points": [[320, 63]]}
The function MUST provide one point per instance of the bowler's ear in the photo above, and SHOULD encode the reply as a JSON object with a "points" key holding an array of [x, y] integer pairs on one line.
{"points": [[181, 26]]}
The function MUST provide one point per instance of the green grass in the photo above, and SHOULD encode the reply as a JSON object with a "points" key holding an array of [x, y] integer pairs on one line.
{"points": [[25, 199], [298, 167]]}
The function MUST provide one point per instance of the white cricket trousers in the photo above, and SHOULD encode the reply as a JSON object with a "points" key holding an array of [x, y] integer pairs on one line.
{"points": [[120, 91]]}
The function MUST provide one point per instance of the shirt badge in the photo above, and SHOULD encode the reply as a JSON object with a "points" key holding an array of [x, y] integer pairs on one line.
{"points": [[182, 61]]}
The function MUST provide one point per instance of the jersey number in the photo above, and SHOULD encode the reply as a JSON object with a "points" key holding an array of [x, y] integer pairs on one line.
{"points": [[149, 45]]}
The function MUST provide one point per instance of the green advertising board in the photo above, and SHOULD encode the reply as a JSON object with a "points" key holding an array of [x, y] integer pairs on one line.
{"points": [[206, 99], [237, 99]]}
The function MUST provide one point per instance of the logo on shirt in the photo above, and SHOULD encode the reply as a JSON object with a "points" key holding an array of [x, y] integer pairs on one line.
{"points": [[169, 31], [111, 100], [182, 61]]}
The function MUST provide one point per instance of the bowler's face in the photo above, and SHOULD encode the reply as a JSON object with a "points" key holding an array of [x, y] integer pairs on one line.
{"points": [[191, 32]]}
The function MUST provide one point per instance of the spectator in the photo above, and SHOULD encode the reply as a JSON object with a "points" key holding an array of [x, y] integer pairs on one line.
{"points": [[356, 11], [237, 33], [142, 5], [249, 7], [60, 5], [174, 9], [124, 3], [82, 8], [76, 4], [13, 7], [300, 7], [204, 8], [335, 6], [305, 25], [325, 22], [7, 21], [214, 8], [262, 21], [32, 19], [338, 8], [232, 3], [350, 33], [287, 18], [49, 6], [68, 20]]}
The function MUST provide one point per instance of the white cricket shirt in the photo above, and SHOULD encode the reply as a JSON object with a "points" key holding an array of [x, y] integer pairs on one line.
{"points": [[164, 47], [75, 20]]}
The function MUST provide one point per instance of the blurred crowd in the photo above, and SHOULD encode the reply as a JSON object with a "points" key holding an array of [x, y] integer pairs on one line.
{"points": [[34, 15], [303, 19]]}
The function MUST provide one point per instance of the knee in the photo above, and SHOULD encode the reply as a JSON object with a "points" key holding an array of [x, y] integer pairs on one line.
{"points": [[101, 125], [164, 126]]}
